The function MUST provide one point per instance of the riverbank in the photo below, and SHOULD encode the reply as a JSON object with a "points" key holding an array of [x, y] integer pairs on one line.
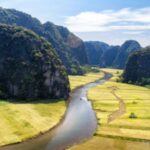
{"points": [[123, 116], [22, 121], [76, 81]]}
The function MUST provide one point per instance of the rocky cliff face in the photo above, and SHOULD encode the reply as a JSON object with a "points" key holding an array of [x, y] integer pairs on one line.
{"points": [[137, 69], [108, 57], [29, 67], [95, 50], [125, 50], [67, 45]]}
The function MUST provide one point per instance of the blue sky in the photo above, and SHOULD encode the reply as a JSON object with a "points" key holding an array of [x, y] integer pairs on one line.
{"points": [[111, 21]]}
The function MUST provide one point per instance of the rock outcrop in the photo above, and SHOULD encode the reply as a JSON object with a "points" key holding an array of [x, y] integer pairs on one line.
{"points": [[137, 69], [29, 67]]}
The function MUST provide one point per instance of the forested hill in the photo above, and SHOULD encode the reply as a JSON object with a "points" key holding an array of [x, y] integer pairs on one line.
{"points": [[29, 67], [104, 55], [72, 51], [69, 47], [124, 51], [137, 69], [95, 50]]}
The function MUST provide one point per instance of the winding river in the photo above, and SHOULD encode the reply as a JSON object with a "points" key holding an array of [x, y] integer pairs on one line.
{"points": [[78, 124]]}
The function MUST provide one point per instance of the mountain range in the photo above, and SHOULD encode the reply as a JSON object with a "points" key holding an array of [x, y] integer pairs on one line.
{"points": [[104, 55], [72, 51]]}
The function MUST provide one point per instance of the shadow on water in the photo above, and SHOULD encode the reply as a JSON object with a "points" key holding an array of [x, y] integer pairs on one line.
{"points": [[79, 123]]}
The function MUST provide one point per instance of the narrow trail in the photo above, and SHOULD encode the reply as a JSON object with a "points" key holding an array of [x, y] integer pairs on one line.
{"points": [[122, 107]]}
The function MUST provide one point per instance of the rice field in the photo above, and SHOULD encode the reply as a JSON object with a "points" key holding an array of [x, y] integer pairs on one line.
{"points": [[76, 81], [123, 113], [20, 121]]}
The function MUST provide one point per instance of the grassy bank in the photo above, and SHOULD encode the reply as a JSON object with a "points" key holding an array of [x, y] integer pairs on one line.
{"points": [[123, 116], [21, 121], [76, 81]]}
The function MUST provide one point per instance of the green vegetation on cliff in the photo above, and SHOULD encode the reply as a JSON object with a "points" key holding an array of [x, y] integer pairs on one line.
{"points": [[95, 50], [29, 67], [137, 70], [125, 50]]}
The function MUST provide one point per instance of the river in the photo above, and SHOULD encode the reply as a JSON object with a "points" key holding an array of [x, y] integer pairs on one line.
{"points": [[79, 123]]}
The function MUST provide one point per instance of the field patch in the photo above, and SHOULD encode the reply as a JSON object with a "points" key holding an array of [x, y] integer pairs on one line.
{"points": [[128, 105], [20, 121]]}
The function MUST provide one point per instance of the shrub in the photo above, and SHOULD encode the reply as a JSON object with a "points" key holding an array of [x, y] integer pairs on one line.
{"points": [[130, 82], [87, 68], [132, 116]]}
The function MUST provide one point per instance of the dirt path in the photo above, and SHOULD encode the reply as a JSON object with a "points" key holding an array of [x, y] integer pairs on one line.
{"points": [[122, 107]]}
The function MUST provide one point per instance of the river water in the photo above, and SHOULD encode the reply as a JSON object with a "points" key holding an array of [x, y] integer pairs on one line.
{"points": [[78, 124]]}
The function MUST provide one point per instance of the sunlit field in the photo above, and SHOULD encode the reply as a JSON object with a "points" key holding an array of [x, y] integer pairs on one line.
{"points": [[19, 122], [103, 143], [123, 116], [76, 81]]}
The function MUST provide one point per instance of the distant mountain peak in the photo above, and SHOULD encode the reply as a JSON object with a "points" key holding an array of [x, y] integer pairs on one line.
{"points": [[104, 55]]}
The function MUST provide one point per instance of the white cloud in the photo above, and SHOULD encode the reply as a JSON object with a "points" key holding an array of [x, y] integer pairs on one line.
{"points": [[133, 32], [109, 20]]}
